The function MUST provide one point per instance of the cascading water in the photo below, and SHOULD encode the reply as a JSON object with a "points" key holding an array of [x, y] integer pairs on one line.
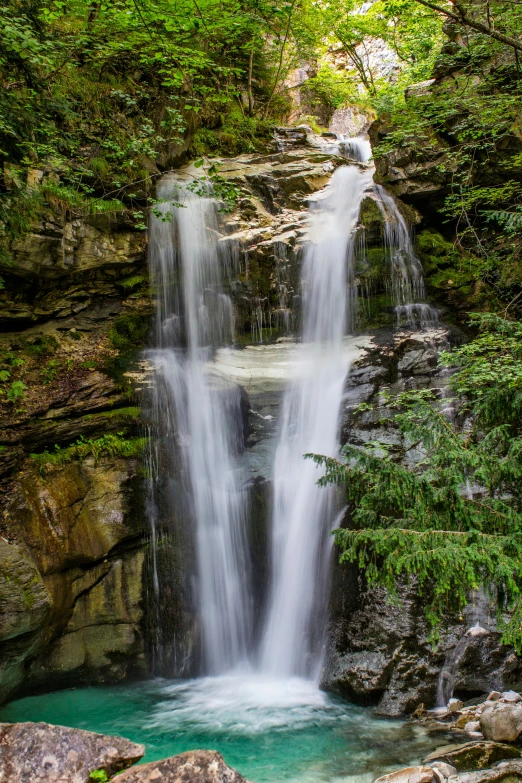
{"points": [[407, 283], [199, 419], [303, 513], [198, 416]]}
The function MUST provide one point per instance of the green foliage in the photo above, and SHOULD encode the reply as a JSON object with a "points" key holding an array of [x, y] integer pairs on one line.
{"points": [[453, 519], [107, 445], [16, 391], [99, 775], [94, 93], [236, 134], [468, 123]]}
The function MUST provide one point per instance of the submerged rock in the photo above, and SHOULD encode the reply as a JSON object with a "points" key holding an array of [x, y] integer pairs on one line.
{"points": [[195, 766], [31, 752], [473, 755]]}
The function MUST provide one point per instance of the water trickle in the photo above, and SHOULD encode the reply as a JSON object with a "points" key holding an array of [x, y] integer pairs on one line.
{"points": [[407, 283], [303, 513], [199, 421]]}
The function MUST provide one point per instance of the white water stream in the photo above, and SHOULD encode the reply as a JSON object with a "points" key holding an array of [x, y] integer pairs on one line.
{"points": [[303, 513], [200, 419]]}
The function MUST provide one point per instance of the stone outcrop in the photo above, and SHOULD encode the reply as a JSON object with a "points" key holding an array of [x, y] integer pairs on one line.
{"points": [[72, 576], [41, 753], [195, 766], [74, 314]]}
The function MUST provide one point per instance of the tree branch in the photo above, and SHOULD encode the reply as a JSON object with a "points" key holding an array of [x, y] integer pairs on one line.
{"points": [[462, 18]]}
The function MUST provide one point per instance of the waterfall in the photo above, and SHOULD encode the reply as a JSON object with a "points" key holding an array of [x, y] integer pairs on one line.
{"points": [[303, 513], [407, 283], [198, 420]]}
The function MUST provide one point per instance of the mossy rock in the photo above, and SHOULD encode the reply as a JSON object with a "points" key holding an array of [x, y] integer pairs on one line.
{"points": [[372, 264]]}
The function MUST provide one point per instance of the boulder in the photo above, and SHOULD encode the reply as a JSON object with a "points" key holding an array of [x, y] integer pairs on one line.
{"points": [[419, 774], [512, 697], [195, 766], [41, 753], [455, 705], [501, 721], [506, 771], [473, 755]]}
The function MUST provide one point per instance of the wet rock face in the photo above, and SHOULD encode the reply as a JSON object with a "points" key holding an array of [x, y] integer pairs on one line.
{"points": [[71, 552], [196, 766], [71, 577], [379, 651], [32, 752], [63, 267]]}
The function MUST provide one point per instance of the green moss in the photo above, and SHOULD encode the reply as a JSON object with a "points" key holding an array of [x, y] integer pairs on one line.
{"points": [[129, 332], [372, 265], [370, 212], [117, 413], [376, 312], [106, 445], [40, 345], [131, 283]]}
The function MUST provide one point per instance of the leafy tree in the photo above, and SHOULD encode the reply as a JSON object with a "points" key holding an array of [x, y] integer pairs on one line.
{"points": [[453, 520]]}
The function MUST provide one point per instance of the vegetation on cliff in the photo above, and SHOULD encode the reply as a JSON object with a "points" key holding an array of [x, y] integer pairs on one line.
{"points": [[451, 514]]}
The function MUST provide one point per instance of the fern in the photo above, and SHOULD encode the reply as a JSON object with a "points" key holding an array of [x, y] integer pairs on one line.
{"points": [[107, 445], [511, 222], [68, 199]]}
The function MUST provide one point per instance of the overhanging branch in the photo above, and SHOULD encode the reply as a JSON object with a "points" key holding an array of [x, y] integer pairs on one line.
{"points": [[464, 19]]}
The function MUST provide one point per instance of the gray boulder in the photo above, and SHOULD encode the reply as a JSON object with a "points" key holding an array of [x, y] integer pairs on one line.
{"points": [[41, 753], [195, 766], [501, 721]]}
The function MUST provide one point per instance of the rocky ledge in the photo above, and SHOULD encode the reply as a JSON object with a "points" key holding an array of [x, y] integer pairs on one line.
{"points": [[495, 724]]}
